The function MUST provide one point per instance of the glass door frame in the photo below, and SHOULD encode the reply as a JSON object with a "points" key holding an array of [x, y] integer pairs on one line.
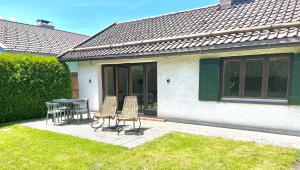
{"points": [[129, 83]]}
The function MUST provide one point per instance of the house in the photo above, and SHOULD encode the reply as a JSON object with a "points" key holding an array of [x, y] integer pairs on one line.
{"points": [[235, 64], [40, 39]]}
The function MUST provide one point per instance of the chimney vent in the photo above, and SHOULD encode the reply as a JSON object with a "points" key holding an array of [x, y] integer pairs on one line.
{"points": [[44, 24], [225, 4]]}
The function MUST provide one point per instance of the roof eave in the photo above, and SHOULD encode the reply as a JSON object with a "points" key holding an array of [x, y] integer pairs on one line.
{"points": [[201, 35], [264, 44], [2, 46]]}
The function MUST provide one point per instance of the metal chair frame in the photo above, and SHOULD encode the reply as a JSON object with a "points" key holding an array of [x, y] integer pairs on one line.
{"points": [[129, 113], [108, 111]]}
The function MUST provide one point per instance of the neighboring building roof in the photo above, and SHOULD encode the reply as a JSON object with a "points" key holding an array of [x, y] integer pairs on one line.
{"points": [[19, 37], [260, 22]]}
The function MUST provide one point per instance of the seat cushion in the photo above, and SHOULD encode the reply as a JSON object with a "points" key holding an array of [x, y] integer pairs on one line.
{"points": [[126, 118], [102, 115]]}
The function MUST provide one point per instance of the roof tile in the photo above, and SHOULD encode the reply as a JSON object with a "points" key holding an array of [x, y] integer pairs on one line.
{"points": [[30, 38], [244, 14]]}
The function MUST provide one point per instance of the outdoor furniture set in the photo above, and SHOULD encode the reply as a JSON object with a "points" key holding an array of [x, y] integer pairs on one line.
{"points": [[67, 109], [75, 108]]}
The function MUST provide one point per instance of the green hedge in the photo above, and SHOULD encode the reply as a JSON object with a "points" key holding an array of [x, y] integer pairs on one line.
{"points": [[27, 82]]}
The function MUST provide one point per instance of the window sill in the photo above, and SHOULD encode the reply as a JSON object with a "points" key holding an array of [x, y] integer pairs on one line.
{"points": [[255, 100]]}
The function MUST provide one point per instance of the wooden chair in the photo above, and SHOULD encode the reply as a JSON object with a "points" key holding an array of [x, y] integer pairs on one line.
{"points": [[129, 113], [108, 111]]}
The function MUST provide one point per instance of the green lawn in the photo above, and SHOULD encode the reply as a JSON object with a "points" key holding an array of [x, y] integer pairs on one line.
{"points": [[26, 148]]}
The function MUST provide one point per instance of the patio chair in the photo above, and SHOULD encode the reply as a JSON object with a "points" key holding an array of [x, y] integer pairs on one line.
{"points": [[129, 113], [64, 110], [53, 109], [108, 111], [79, 108]]}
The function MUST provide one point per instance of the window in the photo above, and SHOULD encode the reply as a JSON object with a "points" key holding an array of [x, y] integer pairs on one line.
{"points": [[278, 77], [262, 77], [253, 77], [232, 78]]}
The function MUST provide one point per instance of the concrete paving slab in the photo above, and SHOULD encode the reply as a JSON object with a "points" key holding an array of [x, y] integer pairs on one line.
{"points": [[152, 130]]}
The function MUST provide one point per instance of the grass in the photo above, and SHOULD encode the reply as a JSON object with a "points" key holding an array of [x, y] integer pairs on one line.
{"points": [[26, 148]]}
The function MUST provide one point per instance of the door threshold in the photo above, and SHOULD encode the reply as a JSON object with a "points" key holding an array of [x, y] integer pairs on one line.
{"points": [[155, 119]]}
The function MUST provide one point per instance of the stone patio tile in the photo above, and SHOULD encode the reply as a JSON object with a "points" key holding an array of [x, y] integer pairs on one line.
{"points": [[152, 130]]}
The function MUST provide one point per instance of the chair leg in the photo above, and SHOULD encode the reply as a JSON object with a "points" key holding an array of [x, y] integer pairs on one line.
{"points": [[77, 118], [109, 122], [140, 123], [47, 118], [68, 114], [54, 119], [133, 125], [97, 122], [119, 131], [96, 128], [116, 124], [57, 116]]}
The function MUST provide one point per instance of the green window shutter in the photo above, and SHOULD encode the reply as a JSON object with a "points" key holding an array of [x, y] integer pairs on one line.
{"points": [[295, 80], [209, 80]]}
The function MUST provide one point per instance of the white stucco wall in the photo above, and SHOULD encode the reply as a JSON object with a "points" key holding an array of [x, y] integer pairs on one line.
{"points": [[179, 98], [90, 90]]}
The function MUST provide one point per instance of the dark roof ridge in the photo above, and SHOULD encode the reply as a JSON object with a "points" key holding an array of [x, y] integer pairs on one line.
{"points": [[16, 22], [95, 35]]}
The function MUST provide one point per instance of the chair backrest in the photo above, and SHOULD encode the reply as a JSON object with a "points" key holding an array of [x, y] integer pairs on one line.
{"points": [[109, 106], [80, 106], [130, 107], [52, 106], [64, 105]]}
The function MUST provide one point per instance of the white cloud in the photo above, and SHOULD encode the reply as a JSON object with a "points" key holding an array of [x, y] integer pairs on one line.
{"points": [[11, 18], [1, 17]]}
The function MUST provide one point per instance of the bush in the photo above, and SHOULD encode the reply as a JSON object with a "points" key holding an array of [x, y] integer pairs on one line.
{"points": [[27, 82]]}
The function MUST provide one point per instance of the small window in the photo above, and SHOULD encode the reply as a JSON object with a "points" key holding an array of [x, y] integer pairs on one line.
{"points": [[264, 77]]}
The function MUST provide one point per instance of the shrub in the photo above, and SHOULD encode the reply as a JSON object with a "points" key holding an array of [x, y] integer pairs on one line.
{"points": [[27, 82]]}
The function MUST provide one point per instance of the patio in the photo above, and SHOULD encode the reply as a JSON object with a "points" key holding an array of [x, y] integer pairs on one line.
{"points": [[152, 129]]}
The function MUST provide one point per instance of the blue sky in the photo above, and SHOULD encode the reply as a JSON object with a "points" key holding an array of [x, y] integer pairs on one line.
{"points": [[90, 16]]}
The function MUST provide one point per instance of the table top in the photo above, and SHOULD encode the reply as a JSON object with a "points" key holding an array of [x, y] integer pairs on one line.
{"points": [[67, 100]]}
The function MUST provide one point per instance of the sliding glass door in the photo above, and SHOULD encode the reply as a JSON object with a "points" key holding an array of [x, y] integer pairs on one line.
{"points": [[136, 84], [122, 85], [151, 73], [135, 80], [108, 75]]}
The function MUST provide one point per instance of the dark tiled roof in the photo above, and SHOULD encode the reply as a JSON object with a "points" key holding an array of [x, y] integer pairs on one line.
{"points": [[245, 21], [19, 37]]}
